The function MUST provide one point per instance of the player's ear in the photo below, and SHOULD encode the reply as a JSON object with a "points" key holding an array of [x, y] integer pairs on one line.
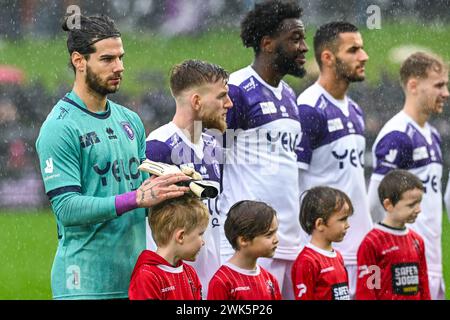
{"points": [[327, 57], [242, 242], [179, 235], [196, 101], [267, 44], [411, 85], [319, 224], [387, 205], [78, 61]]}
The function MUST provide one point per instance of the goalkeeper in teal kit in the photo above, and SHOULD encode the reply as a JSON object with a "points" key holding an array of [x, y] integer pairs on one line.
{"points": [[89, 150]]}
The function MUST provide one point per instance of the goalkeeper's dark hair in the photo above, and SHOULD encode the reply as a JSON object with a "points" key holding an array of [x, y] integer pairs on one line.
{"points": [[84, 32], [396, 183], [321, 202], [193, 73], [327, 37], [266, 19], [248, 219]]}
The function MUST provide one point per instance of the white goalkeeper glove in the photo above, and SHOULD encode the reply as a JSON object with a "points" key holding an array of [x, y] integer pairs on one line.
{"points": [[201, 188], [191, 172]]}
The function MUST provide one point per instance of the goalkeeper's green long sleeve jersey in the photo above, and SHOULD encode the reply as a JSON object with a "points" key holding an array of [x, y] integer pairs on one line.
{"points": [[86, 159]]}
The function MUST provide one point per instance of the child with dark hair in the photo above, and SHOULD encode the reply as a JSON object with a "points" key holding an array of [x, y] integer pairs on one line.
{"points": [[251, 228], [391, 258], [318, 272]]}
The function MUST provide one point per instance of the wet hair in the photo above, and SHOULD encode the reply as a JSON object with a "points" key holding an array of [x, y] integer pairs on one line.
{"points": [[321, 202], [185, 212], [396, 183], [327, 37], [193, 73], [81, 38], [418, 65], [248, 219], [266, 19]]}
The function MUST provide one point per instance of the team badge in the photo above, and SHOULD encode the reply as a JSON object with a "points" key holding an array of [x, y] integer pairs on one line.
{"points": [[128, 130]]}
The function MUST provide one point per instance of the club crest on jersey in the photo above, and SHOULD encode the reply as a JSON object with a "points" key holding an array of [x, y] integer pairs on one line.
{"points": [[270, 287], [128, 130]]}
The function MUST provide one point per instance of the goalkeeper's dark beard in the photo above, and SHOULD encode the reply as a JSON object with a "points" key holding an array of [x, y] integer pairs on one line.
{"points": [[96, 84]]}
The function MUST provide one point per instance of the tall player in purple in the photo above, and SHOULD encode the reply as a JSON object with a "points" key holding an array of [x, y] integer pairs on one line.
{"points": [[408, 141], [333, 142], [261, 158], [201, 93]]}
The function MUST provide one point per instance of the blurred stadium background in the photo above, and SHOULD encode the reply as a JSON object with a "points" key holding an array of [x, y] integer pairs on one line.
{"points": [[34, 74]]}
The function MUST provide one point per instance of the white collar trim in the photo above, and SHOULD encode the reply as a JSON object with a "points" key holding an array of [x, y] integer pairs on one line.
{"points": [[253, 273], [391, 230], [277, 91], [329, 254], [169, 269]]}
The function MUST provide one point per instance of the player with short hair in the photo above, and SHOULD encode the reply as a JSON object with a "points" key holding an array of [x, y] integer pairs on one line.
{"points": [[89, 150], [333, 142], [261, 158], [391, 258], [177, 226], [318, 272], [201, 93], [251, 228], [408, 141]]}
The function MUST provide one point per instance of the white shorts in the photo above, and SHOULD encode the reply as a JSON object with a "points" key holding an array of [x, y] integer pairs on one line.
{"points": [[437, 287]]}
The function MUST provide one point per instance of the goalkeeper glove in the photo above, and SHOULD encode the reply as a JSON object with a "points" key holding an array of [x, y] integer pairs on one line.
{"points": [[201, 188]]}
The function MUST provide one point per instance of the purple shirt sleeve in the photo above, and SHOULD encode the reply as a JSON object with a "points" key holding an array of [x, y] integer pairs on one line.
{"points": [[312, 126], [393, 151], [236, 116], [158, 151]]}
